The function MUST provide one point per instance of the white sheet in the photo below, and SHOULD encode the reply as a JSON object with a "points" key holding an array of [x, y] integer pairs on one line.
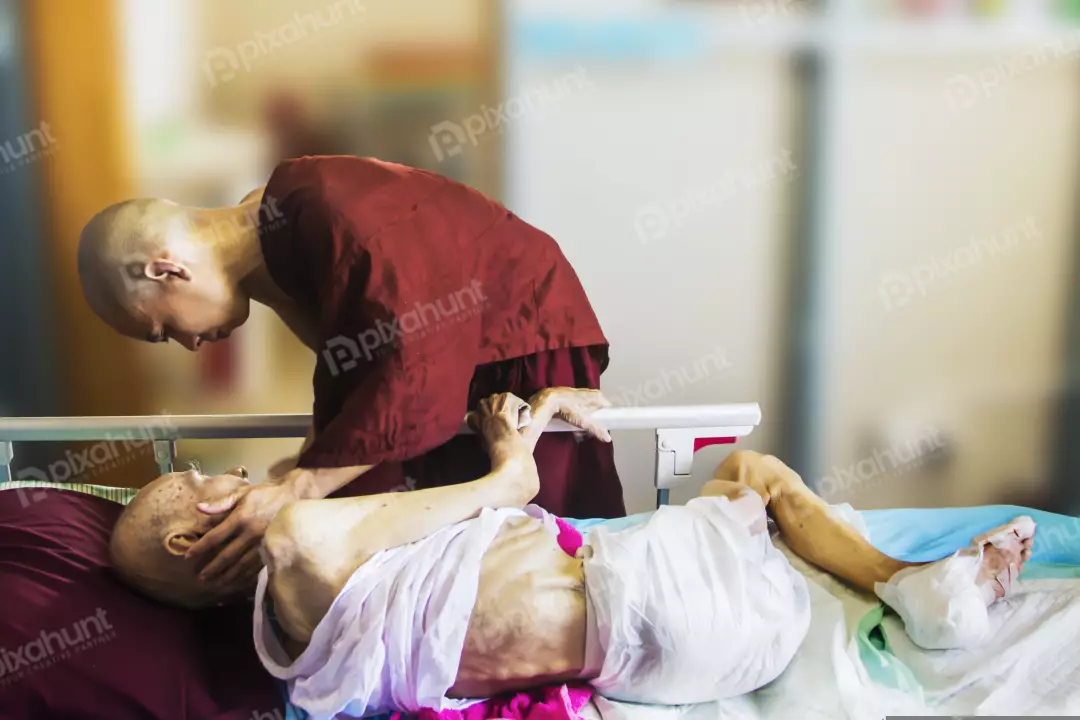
{"points": [[1032, 667]]}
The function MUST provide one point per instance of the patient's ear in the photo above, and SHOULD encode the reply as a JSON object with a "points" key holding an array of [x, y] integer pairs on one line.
{"points": [[178, 542]]}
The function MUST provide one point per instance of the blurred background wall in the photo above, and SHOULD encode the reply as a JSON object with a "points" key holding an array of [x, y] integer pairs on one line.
{"points": [[860, 215]]}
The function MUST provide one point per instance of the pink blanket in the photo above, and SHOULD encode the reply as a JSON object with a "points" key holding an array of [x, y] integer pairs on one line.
{"points": [[563, 702]]}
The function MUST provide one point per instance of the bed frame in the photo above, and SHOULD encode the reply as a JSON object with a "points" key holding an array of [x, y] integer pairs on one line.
{"points": [[680, 432]]}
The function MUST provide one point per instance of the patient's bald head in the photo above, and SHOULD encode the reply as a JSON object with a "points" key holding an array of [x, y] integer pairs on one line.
{"points": [[158, 527], [154, 270]]}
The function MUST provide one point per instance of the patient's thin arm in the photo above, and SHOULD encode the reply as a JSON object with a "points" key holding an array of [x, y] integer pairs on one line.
{"points": [[381, 522], [541, 416]]}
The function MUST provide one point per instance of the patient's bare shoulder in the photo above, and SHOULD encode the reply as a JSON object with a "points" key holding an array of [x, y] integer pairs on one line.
{"points": [[328, 534], [310, 555]]}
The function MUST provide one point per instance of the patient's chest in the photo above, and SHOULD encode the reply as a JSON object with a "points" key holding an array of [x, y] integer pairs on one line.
{"points": [[529, 619]]}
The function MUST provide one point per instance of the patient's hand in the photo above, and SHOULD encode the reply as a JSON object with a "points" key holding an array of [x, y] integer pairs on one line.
{"points": [[574, 406], [496, 421]]}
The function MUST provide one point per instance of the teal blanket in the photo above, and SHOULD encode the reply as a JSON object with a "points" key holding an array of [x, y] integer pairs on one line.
{"points": [[925, 535]]}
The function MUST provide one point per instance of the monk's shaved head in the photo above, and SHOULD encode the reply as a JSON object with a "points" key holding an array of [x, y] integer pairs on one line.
{"points": [[115, 246], [155, 270]]}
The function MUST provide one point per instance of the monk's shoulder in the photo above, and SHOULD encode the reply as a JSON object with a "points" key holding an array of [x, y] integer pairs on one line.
{"points": [[337, 176]]}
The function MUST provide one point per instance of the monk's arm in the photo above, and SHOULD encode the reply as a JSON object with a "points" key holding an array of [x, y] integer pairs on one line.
{"points": [[283, 466], [317, 483]]}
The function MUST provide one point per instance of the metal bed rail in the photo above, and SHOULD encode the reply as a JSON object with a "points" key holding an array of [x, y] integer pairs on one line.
{"points": [[680, 432]]}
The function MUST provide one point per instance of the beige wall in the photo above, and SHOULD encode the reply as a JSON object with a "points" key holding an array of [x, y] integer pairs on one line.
{"points": [[333, 58], [980, 352], [979, 356], [592, 167]]}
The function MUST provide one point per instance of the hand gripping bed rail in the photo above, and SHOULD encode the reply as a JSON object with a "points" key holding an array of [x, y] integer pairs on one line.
{"points": [[680, 432]]}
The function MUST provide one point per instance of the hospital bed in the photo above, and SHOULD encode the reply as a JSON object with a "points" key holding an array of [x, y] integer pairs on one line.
{"points": [[856, 661]]}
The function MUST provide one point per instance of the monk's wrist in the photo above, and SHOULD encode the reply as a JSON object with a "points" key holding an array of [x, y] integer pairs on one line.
{"points": [[317, 483], [306, 484], [302, 483]]}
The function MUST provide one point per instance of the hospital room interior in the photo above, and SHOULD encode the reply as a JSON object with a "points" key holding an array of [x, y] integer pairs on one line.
{"points": [[860, 216]]}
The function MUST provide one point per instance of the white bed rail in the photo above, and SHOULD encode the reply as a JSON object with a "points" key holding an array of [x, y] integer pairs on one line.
{"points": [[680, 431]]}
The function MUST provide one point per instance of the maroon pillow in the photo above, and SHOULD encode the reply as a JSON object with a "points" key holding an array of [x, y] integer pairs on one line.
{"points": [[75, 643]]}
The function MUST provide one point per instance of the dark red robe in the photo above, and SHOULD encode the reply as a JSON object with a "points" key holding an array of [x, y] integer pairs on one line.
{"points": [[428, 297]]}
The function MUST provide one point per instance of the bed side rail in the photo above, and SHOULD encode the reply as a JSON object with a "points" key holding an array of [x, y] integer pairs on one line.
{"points": [[680, 432]]}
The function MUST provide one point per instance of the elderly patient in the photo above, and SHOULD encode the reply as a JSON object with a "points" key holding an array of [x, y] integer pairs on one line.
{"points": [[439, 597]]}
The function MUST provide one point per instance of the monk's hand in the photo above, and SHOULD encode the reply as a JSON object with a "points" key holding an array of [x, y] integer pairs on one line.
{"points": [[573, 406], [230, 551]]}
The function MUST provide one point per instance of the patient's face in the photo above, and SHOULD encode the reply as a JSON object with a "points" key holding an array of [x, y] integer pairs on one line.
{"points": [[180, 492], [159, 526]]}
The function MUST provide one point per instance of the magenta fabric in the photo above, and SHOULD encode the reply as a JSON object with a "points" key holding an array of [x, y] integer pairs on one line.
{"points": [[557, 702], [570, 538], [578, 477], [76, 644]]}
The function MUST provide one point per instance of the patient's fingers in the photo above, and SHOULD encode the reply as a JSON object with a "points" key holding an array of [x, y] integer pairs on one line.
{"points": [[578, 420], [576, 405], [505, 406], [590, 399]]}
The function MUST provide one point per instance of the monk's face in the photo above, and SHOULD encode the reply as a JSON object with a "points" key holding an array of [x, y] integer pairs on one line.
{"points": [[185, 303]]}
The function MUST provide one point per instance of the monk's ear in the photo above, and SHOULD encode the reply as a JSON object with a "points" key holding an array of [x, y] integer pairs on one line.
{"points": [[166, 269]]}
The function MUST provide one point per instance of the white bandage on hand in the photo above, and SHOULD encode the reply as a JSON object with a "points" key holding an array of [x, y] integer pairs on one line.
{"points": [[941, 604]]}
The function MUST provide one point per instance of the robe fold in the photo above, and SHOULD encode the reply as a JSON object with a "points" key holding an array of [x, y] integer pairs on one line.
{"points": [[427, 296]]}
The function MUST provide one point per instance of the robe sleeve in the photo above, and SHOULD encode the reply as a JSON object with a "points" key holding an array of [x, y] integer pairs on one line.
{"points": [[399, 410]]}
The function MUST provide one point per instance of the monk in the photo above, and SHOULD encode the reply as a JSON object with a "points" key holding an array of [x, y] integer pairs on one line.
{"points": [[419, 296]]}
